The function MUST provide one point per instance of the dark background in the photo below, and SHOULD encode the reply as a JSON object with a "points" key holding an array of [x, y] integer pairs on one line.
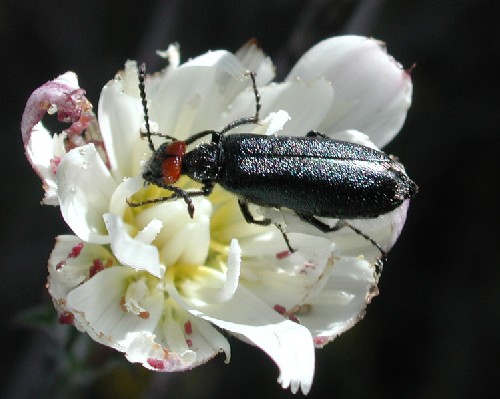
{"points": [[434, 330]]}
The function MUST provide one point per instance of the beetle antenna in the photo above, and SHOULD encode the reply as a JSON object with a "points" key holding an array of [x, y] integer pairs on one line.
{"points": [[142, 91], [257, 96], [249, 119]]}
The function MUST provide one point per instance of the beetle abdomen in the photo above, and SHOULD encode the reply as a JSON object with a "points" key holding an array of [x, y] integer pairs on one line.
{"points": [[313, 176]]}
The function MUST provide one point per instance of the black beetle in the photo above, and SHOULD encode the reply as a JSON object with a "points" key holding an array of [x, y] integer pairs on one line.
{"points": [[314, 176]]}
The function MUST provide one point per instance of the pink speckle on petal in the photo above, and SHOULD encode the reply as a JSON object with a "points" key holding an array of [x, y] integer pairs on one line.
{"points": [[96, 267], [189, 342], [60, 265], [280, 309], [70, 102], [54, 163], [283, 254], [75, 251], [188, 328], [156, 363], [144, 315], [66, 318], [320, 340]]}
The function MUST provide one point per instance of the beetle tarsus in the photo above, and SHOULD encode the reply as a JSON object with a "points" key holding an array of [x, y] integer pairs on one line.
{"points": [[285, 237], [249, 217], [325, 228]]}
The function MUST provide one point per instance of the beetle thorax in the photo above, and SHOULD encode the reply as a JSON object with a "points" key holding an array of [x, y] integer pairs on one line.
{"points": [[202, 163]]}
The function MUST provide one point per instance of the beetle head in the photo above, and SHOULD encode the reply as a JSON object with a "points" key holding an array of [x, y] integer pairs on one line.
{"points": [[165, 166]]}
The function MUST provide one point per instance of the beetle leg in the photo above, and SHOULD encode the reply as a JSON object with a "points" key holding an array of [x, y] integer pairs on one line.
{"points": [[262, 222], [197, 136], [177, 193], [314, 133], [285, 237], [249, 217], [325, 228]]}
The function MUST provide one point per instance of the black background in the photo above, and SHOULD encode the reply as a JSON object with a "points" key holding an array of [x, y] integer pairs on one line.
{"points": [[434, 330]]}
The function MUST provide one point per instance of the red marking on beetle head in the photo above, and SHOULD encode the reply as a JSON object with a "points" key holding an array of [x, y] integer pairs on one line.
{"points": [[172, 164]]}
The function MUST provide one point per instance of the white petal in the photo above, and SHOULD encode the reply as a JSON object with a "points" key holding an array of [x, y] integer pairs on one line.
{"points": [[155, 353], [66, 271], [372, 91], [307, 104], [254, 59], [384, 230], [85, 187], [216, 292], [60, 92], [145, 349], [232, 273], [342, 302], [286, 279], [182, 240], [193, 97], [118, 204], [41, 151], [120, 118], [208, 341], [287, 343], [134, 252], [97, 308], [275, 122], [353, 136]]}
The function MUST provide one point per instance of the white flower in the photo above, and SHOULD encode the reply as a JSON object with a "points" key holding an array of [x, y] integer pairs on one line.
{"points": [[153, 283]]}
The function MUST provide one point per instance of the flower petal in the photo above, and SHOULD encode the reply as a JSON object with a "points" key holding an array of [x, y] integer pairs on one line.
{"points": [[44, 153], [118, 203], [287, 343], [286, 279], [85, 187], [372, 91], [60, 94], [120, 118], [232, 273], [71, 263], [288, 96], [254, 59], [169, 349], [97, 307], [193, 97], [384, 230], [182, 240], [135, 252], [341, 303]]}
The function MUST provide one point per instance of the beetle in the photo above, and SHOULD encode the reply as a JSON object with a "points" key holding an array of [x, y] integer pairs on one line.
{"points": [[313, 175]]}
